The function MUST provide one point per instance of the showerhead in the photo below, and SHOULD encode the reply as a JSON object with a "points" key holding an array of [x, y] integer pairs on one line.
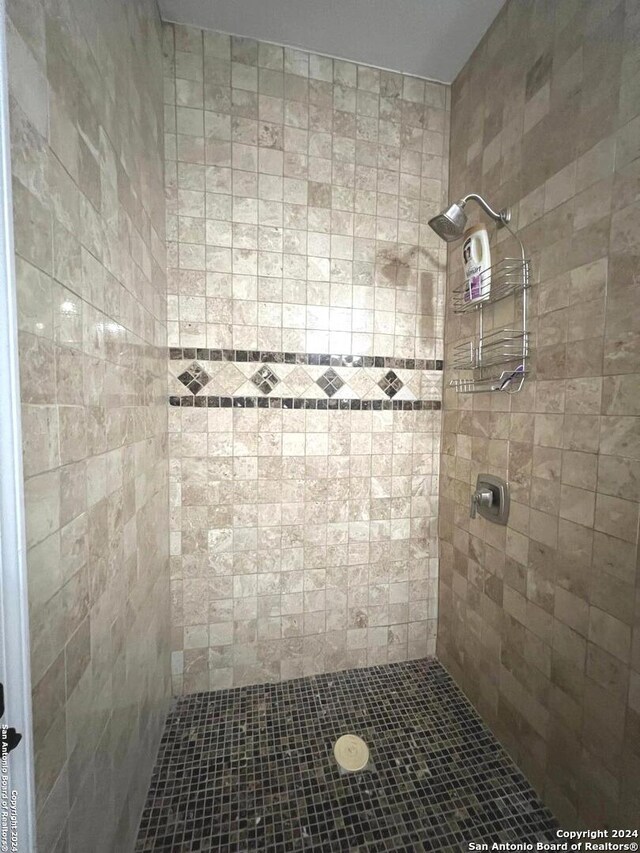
{"points": [[450, 224]]}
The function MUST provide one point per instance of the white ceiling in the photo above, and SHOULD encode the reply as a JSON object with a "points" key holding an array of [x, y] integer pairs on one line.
{"points": [[428, 38]]}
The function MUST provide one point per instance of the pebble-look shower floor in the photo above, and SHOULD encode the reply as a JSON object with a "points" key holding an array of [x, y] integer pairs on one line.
{"points": [[253, 769]]}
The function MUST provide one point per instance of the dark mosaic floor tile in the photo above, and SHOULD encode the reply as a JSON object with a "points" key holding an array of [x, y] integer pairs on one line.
{"points": [[252, 769]]}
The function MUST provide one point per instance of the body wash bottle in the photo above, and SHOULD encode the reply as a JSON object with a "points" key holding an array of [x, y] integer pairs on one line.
{"points": [[476, 255]]}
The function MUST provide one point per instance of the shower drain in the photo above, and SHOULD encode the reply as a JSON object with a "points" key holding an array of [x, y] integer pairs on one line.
{"points": [[351, 752]]}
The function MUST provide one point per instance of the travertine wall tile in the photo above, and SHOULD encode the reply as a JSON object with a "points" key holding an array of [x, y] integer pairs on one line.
{"points": [[544, 119], [86, 123], [303, 487]]}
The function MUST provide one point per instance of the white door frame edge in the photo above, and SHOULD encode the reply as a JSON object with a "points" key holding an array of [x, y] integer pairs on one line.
{"points": [[14, 610]]}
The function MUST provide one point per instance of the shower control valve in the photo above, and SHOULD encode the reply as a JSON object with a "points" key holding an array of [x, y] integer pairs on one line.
{"points": [[482, 497], [490, 499]]}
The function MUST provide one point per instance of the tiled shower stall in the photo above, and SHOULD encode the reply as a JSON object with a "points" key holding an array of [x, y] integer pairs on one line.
{"points": [[244, 464]]}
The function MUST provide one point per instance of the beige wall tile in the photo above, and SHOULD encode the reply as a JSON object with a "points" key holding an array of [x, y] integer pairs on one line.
{"points": [[89, 224], [574, 441], [305, 232]]}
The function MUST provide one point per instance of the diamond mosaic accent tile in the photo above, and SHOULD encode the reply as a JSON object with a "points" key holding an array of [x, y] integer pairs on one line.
{"points": [[253, 769], [330, 382], [265, 379], [195, 377], [391, 384]]}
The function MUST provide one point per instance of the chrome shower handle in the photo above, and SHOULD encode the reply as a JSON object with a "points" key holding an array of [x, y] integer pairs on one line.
{"points": [[481, 497]]}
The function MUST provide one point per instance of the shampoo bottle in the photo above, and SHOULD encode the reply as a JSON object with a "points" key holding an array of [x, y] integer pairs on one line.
{"points": [[476, 255]]}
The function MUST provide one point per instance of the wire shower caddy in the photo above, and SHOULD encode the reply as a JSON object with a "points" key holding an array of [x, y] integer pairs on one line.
{"points": [[499, 359]]}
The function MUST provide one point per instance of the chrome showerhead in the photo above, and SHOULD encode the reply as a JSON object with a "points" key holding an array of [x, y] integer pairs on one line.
{"points": [[450, 224]]}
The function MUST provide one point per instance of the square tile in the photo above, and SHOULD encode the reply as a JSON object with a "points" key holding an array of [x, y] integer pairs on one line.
{"points": [[330, 382], [265, 379], [391, 384], [195, 377]]}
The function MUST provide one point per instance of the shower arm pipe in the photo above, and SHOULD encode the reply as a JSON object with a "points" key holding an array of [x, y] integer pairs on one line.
{"points": [[502, 216]]}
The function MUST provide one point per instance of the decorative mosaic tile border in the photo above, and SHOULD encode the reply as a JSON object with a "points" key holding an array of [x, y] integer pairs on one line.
{"points": [[204, 402], [319, 359], [302, 381], [223, 378]]}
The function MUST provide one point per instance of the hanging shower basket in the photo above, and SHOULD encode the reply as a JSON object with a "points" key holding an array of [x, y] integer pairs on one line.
{"points": [[496, 360], [508, 276]]}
